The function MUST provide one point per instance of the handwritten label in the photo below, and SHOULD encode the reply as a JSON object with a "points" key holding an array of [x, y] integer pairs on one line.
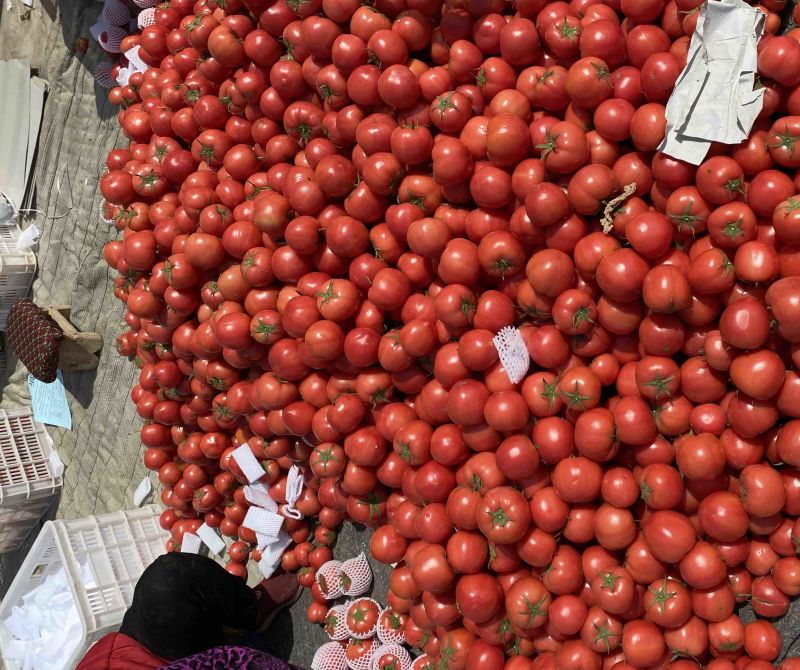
{"points": [[49, 402]]}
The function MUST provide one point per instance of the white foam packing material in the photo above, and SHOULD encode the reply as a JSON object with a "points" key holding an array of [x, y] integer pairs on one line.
{"points": [[258, 494], [210, 538], [513, 353], [190, 544], [46, 629], [271, 553], [245, 459], [263, 522], [294, 488]]}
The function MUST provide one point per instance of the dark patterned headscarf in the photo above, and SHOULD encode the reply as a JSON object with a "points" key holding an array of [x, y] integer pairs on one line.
{"points": [[230, 658]]}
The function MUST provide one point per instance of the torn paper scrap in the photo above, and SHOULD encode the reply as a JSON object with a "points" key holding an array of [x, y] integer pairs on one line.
{"points": [[714, 98]]}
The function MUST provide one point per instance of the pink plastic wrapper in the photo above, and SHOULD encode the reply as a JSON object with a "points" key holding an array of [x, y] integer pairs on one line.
{"points": [[111, 37], [352, 606], [330, 656], [329, 578], [116, 13], [401, 653], [336, 623], [388, 634], [102, 75], [365, 661], [356, 575]]}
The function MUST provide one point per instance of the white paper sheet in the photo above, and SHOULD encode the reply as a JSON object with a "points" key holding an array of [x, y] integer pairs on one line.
{"points": [[714, 100]]}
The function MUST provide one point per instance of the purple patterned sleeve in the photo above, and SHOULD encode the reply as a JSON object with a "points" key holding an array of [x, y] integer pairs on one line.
{"points": [[229, 657]]}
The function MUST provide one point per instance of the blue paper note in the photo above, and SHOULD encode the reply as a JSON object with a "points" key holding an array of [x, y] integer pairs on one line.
{"points": [[49, 402]]}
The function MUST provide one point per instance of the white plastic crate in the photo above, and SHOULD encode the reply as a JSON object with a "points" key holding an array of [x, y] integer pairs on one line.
{"points": [[17, 270], [115, 548], [27, 459]]}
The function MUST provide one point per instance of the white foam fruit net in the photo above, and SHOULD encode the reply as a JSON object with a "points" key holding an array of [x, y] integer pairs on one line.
{"points": [[102, 75], [111, 38], [513, 353], [330, 656], [390, 634], [354, 604], [116, 13], [329, 578], [365, 661], [396, 650], [336, 623], [145, 4], [356, 575], [147, 17]]}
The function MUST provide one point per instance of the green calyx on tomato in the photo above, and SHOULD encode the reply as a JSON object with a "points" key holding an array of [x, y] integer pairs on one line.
{"points": [[662, 595]]}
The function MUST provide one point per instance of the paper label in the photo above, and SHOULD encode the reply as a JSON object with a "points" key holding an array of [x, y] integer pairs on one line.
{"points": [[247, 462], [190, 544], [49, 402], [210, 538], [142, 491]]}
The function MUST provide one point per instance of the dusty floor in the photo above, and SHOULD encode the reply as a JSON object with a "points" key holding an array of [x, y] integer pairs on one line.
{"points": [[102, 452]]}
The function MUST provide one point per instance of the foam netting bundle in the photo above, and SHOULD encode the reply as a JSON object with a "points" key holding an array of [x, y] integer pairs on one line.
{"points": [[401, 652], [513, 353], [356, 575], [365, 662], [330, 656], [371, 631], [145, 4], [147, 17], [336, 623], [102, 75], [329, 578], [116, 13], [111, 38], [389, 635]]}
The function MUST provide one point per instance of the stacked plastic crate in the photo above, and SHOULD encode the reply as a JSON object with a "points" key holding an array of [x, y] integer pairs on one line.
{"points": [[30, 476]]}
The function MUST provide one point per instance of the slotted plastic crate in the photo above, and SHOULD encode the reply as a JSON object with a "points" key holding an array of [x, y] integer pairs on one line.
{"points": [[17, 270], [28, 478], [116, 547]]}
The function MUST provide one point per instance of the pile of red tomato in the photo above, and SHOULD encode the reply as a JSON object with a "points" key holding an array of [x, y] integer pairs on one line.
{"points": [[329, 209]]}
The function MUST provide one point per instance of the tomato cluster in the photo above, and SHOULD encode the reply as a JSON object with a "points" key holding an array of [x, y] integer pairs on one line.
{"points": [[329, 209]]}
